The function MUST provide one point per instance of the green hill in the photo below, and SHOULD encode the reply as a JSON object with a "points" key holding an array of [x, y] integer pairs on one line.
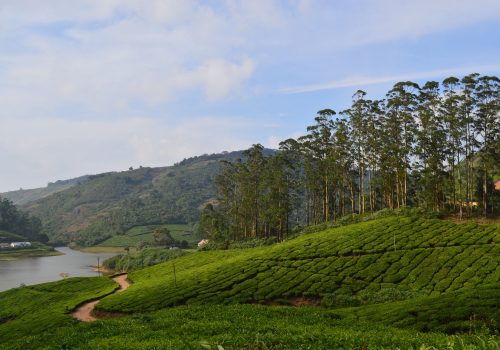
{"points": [[21, 197], [138, 234], [406, 256], [110, 204], [7, 237], [376, 284]]}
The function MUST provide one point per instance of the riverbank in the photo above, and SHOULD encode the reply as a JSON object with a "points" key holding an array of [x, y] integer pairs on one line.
{"points": [[97, 250], [38, 250]]}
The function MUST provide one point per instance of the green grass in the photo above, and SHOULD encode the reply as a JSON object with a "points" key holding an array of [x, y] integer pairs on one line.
{"points": [[238, 327], [439, 277], [40, 308], [145, 233], [6, 236], [431, 257], [98, 249], [141, 258], [469, 311]]}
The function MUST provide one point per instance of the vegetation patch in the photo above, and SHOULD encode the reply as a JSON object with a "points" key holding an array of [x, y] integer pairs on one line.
{"points": [[143, 235], [378, 261], [239, 327]]}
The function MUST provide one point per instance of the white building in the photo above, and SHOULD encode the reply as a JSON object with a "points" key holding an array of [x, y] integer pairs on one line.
{"points": [[202, 242], [20, 244]]}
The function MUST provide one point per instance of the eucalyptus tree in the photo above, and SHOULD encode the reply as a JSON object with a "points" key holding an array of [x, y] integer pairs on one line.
{"points": [[316, 145], [487, 130], [454, 127], [343, 159], [359, 122], [467, 111], [431, 147], [402, 101]]}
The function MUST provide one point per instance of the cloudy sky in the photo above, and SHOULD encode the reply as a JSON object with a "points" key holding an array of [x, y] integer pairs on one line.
{"points": [[88, 86]]}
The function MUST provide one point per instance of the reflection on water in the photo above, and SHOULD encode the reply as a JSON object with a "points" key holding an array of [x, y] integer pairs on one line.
{"points": [[49, 268]]}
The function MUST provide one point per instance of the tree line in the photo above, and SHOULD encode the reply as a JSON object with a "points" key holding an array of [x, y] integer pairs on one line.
{"points": [[15, 221], [435, 146]]}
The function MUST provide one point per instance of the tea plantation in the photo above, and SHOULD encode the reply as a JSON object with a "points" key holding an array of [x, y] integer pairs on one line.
{"points": [[397, 282], [414, 257]]}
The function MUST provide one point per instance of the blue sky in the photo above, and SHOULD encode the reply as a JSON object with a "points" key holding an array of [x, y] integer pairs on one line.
{"points": [[100, 85]]}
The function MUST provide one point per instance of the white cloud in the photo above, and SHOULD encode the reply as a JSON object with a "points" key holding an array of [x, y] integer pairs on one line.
{"points": [[359, 81], [73, 74], [101, 57], [39, 150]]}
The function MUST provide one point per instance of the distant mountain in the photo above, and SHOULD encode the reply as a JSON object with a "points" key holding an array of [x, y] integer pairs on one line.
{"points": [[21, 197], [109, 204]]}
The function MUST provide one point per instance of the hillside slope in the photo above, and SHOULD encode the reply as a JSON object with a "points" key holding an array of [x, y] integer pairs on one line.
{"points": [[21, 197], [111, 203], [440, 277], [343, 266]]}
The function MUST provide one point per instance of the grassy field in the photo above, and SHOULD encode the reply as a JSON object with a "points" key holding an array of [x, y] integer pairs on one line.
{"points": [[37, 309], [387, 283], [145, 233], [98, 249], [239, 327]]}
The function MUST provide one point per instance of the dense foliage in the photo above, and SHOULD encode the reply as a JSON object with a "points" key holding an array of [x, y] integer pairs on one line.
{"points": [[391, 259], [141, 258], [184, 235], [14, 221], [434, 146]]}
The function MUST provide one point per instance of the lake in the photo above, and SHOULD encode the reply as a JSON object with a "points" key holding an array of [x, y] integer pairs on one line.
{"points": [[47, 268]]}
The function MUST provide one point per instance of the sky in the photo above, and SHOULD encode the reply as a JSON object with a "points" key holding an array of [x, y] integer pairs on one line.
{"points": [[89, 86]]}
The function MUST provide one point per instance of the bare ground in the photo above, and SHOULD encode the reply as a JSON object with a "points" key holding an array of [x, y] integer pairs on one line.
{"points": [[85, 312]]}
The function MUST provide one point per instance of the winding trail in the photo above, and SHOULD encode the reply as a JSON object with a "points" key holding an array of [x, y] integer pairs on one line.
{"points": [[84, 312]]}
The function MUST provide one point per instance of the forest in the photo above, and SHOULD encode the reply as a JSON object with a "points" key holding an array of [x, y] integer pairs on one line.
{"points": [[434, 146], [14, 221]]}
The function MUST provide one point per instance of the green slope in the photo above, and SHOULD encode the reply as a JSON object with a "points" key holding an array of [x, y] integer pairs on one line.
{"points": [[138, 234], [235, 327], [440, 277], [112, 203], [431, 257], [35, 309], [7, 237], [21, 197]]}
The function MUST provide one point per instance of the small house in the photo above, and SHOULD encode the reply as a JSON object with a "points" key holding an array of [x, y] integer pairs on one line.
{"points": [[202, 242], [4, 245], [20, 244]]}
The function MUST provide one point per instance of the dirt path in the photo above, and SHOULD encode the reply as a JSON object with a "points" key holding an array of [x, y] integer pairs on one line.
{"points": [[84, 312]]}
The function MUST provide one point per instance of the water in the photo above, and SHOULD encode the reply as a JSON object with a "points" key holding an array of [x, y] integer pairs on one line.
{"points": [[48, 268]]}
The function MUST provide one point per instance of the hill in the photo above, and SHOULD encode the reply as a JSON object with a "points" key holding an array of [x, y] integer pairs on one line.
{"points": [[376, 284], [112, 203], [21, 197]]}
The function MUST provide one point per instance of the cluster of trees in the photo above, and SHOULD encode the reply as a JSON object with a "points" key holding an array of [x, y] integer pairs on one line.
{"points": [[434, 146], [163, 238], [15, 221]]}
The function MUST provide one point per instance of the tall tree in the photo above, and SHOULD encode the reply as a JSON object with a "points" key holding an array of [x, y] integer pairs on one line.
{"points": [[487, 128]]}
